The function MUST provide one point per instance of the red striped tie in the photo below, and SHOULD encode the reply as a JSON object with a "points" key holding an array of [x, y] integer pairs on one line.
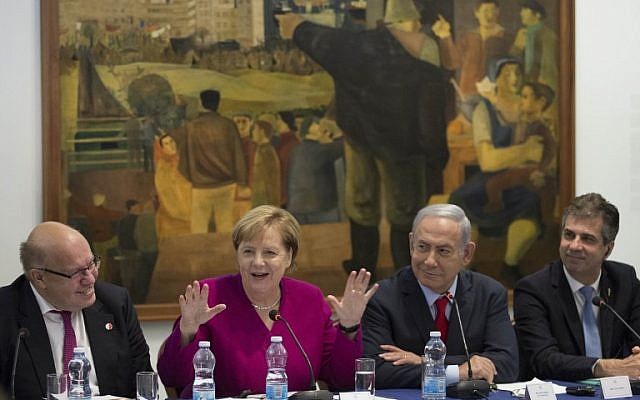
{"points": [[69, 340], [442, 324]]}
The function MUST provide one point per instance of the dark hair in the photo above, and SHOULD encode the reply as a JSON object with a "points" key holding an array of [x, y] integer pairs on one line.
{"points": [[542, 90], [266, 127], [210, 99], [130, 203], [495, 66], [592, 205], [288, 118], [534, 6], [306, 124], [481, 2], [162, 138]]}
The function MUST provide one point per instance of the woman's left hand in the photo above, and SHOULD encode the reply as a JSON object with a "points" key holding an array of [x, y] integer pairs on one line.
{"points": [[348, 311]]}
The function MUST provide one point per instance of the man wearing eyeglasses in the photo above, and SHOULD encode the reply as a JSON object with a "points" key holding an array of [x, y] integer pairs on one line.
{"points": [[61, 304]]}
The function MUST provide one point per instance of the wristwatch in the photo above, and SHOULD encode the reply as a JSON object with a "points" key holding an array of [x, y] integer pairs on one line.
{"points": [[350, 329]]}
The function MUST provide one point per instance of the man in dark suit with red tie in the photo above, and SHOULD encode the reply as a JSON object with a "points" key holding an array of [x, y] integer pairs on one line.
{"points": [[410, 304], [60, 304], [562, 335]]}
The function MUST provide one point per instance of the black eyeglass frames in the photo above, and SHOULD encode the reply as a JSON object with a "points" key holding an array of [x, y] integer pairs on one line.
{"points": [[93, 266]]}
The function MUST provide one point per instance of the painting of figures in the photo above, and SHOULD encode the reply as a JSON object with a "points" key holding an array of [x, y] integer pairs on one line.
{"points": [[166, 120]]}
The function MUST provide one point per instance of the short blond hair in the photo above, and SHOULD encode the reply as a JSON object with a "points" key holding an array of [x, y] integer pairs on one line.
{"points": [[257, 220]]}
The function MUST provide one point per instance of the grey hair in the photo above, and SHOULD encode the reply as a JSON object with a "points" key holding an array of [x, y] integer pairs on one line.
{"points": [[32, 254], [449, 211]]}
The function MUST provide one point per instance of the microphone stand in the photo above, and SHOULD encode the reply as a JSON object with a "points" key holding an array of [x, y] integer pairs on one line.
{"points": [[599, 302], [471, 388], [22, 332], [314, 393]]}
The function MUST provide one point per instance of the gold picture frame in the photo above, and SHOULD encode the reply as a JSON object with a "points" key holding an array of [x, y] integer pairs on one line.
{"points": [[56, 179]]}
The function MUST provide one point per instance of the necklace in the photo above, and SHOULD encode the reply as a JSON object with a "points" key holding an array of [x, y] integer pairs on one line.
{"points": [[265, 308]]}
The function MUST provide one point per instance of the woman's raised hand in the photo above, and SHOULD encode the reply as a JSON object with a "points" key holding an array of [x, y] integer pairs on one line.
{"points": [[195, 310], [348, 311]]}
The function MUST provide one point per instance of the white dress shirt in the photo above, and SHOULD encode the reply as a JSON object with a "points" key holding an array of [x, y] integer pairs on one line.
{"points": [[577, 296], [453, 371], [55, 330]]}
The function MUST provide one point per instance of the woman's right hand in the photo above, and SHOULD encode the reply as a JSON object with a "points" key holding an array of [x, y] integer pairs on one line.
{"points": [[195, 310]]}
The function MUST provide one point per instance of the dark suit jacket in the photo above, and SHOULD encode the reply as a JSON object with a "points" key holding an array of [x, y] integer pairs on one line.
{"points": [[387, 102], [549, 327], [117, 353], [398, 314]]}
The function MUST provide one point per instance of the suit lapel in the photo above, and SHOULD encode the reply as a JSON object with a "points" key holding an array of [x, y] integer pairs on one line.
{"points": [[415, 304], [606, 318], [568, 305], [36, 346], [464, 298], [100, 327]]}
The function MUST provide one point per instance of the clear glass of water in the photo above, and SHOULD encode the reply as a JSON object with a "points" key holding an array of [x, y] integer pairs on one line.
{"points": [[56, 386], [365, 386], [146, 385]]}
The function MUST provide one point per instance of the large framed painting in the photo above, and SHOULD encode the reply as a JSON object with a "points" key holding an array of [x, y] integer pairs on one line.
{"points": [[373, 109]]}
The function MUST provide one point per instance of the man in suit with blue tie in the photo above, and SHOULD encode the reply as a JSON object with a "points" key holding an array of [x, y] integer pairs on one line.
{"points": [[561, 334], [414, 301]]}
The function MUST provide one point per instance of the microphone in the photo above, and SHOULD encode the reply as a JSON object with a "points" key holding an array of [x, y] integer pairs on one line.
{"points": [[314, 393], [598, 301], [22, 332], [471, 388]]}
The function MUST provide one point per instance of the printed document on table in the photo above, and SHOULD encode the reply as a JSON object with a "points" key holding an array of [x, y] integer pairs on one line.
{"points": [[518, 388]]}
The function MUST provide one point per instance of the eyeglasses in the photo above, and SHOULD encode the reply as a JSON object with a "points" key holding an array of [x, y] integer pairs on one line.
{"points": [[93, 266]]}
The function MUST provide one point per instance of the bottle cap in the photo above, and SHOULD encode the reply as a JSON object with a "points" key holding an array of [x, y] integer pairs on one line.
{"points": [[78, 349], [435, 334], [276, 339], [204, 343]]}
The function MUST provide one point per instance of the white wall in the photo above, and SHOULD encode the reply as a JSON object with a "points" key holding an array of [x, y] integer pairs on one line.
{"points": [[20, 158], [608, 111], [607, 133]]}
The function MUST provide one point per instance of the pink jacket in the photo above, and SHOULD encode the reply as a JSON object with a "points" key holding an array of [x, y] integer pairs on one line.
{"points": [[239, 340]]}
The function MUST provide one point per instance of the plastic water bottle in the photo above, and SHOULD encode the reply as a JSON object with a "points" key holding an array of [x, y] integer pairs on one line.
{"points": [[434, 378], [204, 362], [277, 385], [79, 368]]}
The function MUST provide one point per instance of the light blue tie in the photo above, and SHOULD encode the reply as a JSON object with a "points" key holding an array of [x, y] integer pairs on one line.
{"points": [[590, 325]]}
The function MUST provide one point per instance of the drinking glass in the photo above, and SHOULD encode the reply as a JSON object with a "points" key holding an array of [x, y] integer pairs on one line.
{"points": [[56, 386], [146, 385], [365, 386]]}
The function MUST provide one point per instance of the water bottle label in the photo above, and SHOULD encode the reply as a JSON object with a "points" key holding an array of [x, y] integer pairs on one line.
{"points": [[433, 386], [277, 392], [204, 395]]}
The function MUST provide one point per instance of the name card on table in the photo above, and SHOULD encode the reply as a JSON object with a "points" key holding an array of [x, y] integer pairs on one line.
{"points": [[540, 391], [615, 387]]}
